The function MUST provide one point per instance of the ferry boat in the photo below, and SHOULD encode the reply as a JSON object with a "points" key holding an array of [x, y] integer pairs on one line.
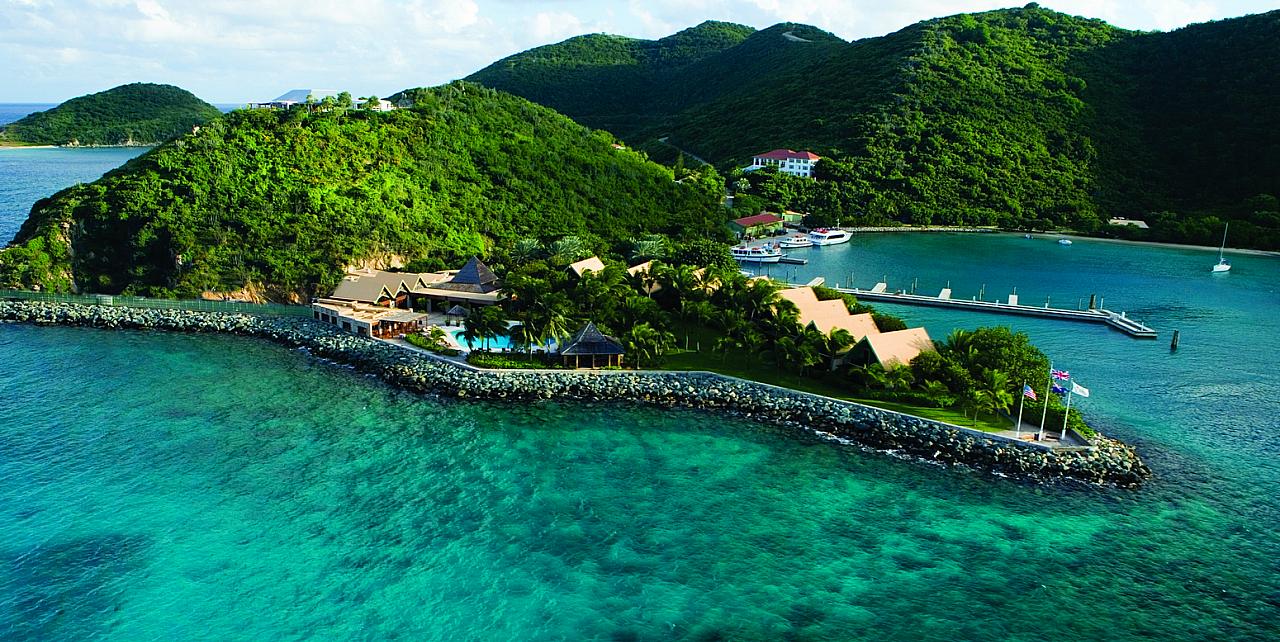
{"points": [[796, 240], [756, 254], [824, 236]]}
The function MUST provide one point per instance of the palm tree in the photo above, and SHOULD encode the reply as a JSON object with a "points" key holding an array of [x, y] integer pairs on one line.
{"points": [[568, 249], [994, 395], [526, 250], [484, 323], [759, 297], [647, 344], [436, 335], [649, 247], [834, 343], [938, 393], [898, 377]]}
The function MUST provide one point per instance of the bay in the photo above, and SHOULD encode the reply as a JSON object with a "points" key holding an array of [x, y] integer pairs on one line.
{"points": [[194, 487]]}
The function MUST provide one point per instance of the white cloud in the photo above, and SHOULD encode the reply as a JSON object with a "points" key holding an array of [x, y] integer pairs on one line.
{"points": [[549, 26]]}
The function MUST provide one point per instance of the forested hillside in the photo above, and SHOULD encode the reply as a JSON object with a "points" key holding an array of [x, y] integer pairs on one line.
{"points": [[283, 200], [134, 114], [1019, 117]]}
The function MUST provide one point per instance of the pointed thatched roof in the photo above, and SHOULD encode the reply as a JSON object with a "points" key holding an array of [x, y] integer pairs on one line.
{"points": [[589, 341], [475, 277], [456, 311]]}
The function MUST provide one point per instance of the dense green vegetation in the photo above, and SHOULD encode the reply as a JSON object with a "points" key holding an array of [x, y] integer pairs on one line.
{"points": [[134, 114], [679, 316], [281, 201], [1025, 118]]}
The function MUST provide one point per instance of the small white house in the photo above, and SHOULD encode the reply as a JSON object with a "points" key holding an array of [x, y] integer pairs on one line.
{"points": [[383, 105], [787, 161]]}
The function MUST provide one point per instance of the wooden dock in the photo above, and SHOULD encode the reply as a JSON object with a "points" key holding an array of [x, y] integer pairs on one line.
{"points": [[1118, 321]]}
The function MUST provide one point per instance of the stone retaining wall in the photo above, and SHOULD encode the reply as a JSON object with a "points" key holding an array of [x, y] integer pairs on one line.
{"points": [[1110, 463]]}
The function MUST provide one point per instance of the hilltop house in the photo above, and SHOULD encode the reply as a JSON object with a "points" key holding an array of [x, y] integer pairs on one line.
{"points": [[757, 225], [787, 161], [382, 105], [296, 97]]}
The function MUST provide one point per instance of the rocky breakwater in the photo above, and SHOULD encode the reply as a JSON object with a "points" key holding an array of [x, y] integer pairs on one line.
{"points": [[1108, 463]]}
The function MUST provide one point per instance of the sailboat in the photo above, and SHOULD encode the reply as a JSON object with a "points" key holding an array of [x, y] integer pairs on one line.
{"points": [[1222, 265]]}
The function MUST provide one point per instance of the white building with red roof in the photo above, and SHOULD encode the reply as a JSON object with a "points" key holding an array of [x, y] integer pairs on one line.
{"points": [[787, 161]]}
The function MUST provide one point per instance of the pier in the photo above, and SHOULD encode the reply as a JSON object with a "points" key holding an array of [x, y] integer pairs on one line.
{"points": [[1115, 320]]}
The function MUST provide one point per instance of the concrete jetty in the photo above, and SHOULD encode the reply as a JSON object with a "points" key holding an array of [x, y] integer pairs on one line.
{"points": [[1116, 320]]}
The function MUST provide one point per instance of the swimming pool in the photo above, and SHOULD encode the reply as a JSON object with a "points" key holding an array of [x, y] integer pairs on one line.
{"points": [[500, 342]]}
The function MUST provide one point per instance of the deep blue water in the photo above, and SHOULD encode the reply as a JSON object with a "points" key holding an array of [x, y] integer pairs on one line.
{"points": [[158, 486], [10, 112]]}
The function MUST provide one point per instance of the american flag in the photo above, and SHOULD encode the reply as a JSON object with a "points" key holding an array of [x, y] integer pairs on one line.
{"points": [[1061, 375], [1028, 392]]}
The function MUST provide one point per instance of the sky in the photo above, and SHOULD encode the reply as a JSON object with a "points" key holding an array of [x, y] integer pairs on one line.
{"points": [[234, 51]]}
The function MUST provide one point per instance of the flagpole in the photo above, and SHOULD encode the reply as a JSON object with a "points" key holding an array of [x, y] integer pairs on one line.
{"points": [[1065, 415], [1044, 416], [1017, 432]]}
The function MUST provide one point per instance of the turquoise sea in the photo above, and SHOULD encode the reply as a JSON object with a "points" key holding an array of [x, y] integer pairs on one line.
{"points": [[157, 486]]}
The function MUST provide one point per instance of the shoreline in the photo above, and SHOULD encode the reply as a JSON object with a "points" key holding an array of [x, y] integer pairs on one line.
{"points": [[1106, 462], [1069, 235]]}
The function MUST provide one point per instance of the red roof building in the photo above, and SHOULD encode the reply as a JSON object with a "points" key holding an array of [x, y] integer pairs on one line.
{"points": [[787, 161]]}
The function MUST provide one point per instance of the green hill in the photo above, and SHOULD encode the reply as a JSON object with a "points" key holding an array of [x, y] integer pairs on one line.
{"points": [[282, 201], [1019, 117], [135, 114]]}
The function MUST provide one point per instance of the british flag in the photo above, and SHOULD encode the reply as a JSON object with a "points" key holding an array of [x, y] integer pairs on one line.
{"points": [[1061, 375]]}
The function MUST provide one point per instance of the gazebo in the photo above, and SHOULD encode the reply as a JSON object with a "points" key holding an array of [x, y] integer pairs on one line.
{"points": [[590, 348], [456, 313]]}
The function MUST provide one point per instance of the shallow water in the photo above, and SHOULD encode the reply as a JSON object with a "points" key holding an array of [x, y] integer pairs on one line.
{"points": [[170, 486], [158, 486]]}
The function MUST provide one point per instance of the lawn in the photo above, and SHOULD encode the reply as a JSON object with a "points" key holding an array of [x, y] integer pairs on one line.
{"points": [[745, 365]]}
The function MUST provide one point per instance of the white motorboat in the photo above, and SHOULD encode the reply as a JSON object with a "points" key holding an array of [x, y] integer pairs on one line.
{"points": [[1064, 241], [1222, 265], [796, 240], [756, 253], [824, 236]]}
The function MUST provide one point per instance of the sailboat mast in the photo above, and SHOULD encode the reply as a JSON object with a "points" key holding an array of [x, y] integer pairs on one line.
{"points": [[1224, 240]]}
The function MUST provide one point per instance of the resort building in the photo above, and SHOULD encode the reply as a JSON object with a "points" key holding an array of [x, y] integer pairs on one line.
{"points": [[895, 348], [386, 289], [592, 264], [872, 345], [367, 320], [590, 348], [755, 226], [787, 161], [1120, 220], [828, 315], [380, 304], [474, 284]]}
